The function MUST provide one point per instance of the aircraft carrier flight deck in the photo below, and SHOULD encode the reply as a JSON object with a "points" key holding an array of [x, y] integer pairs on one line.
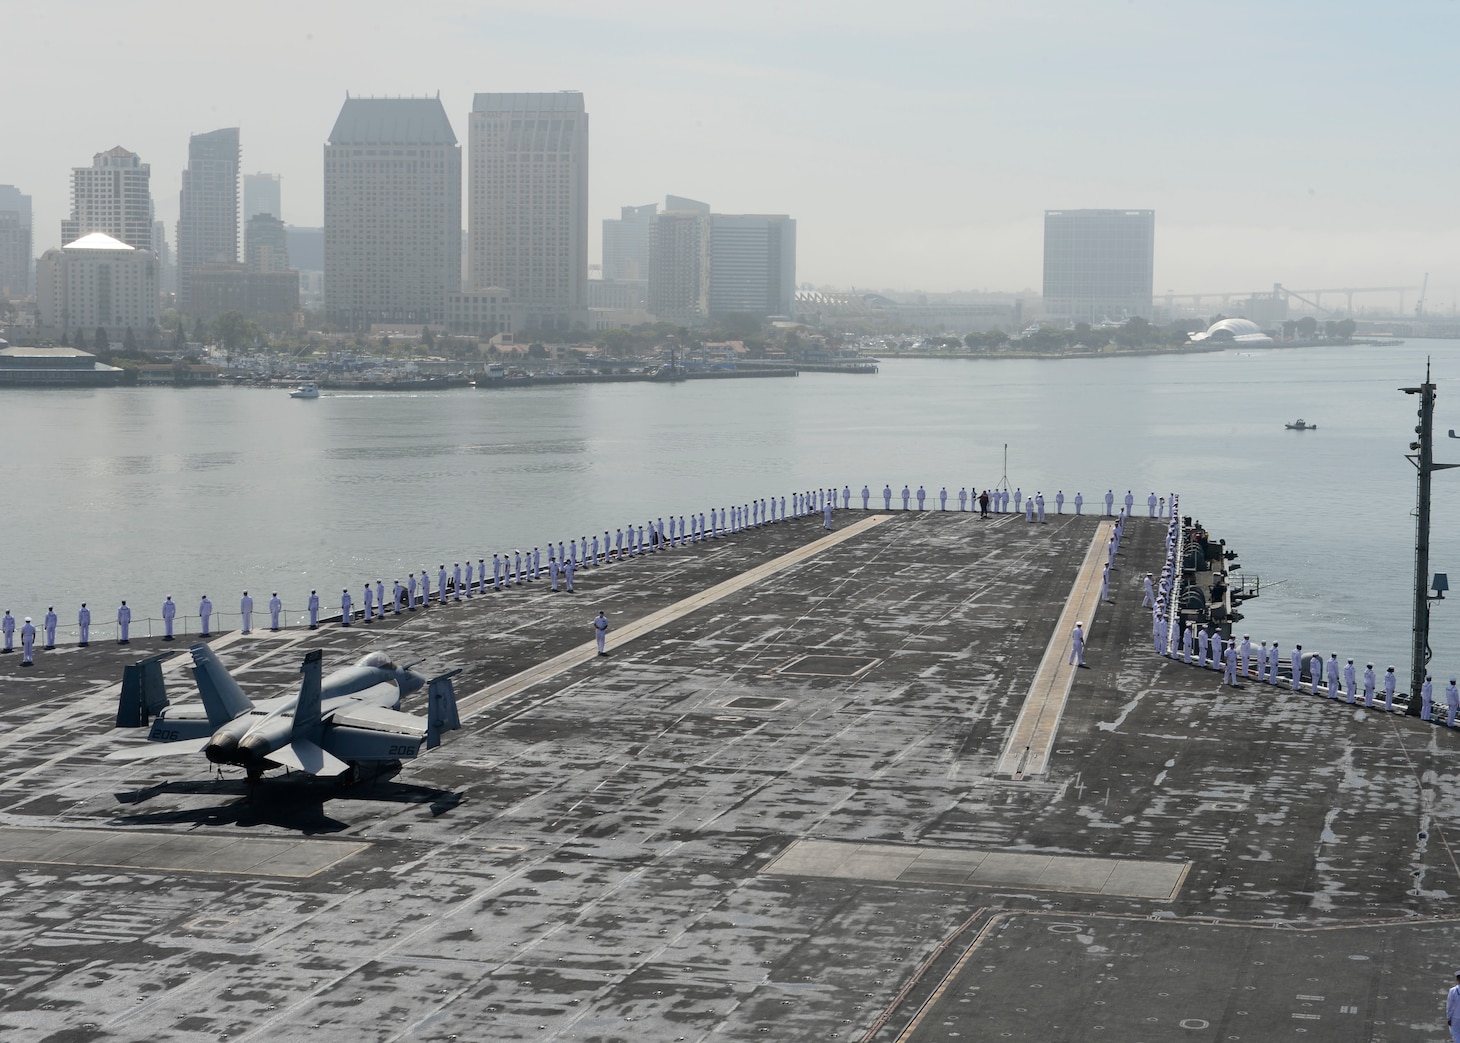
{"points": [[803, 798]]}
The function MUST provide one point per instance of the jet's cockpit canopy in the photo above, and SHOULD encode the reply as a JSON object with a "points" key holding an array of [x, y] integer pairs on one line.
{"points": [[379, 660]]}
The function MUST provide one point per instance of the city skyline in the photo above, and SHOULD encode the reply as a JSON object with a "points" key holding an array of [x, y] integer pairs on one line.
{"points": [[1304, 152]]}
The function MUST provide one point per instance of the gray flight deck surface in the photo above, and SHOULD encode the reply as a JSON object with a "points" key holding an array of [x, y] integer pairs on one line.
{"points": [[771, 815]]}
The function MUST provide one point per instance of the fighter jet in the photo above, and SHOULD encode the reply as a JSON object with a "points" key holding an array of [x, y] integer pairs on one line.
{"points": [[334, 725]]}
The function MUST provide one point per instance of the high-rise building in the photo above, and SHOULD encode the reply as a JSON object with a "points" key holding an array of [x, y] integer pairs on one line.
{"points": [[261, 195], [97, 281], [267, 244], [166, 269], [626, 243], [16, 238], [528, 207], [112, 196], [207, 225], [392, 212], [1098, 264], [679, 266], [752, 265]]}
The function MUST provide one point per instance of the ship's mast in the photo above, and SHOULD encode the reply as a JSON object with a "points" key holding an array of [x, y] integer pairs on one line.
{"points": [[1422, 455]]}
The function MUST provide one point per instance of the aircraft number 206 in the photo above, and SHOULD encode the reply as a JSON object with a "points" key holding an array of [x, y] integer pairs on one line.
{"points": [[402, 751]]}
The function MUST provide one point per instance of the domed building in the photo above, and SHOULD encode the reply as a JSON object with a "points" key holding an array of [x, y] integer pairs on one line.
{"points": [[1233, 331]]}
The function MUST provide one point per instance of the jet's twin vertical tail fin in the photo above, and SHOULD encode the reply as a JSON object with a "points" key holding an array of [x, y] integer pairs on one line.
{"points": [[307, 709], [221, 696], [441, 715]]}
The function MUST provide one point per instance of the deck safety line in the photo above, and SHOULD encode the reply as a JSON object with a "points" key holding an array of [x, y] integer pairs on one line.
{"points": [[1029, 744], [478, 701]]}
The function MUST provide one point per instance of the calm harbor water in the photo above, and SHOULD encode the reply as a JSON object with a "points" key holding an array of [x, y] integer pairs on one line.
{"points": [[140, 493]]}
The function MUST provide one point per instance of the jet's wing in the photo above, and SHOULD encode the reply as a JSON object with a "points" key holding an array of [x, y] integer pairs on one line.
{"points": [[153, 750], [377, 718], [304, 755]]}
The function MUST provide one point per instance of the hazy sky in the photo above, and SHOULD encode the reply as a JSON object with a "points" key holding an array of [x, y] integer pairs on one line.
{"points": [[917, 143]]}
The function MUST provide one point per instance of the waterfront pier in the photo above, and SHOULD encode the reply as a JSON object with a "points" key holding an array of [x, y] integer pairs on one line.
{"points": [[793, 803]]}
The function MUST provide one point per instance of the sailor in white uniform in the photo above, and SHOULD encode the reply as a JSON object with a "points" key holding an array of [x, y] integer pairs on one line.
{"points": [[83, 622], [1029, 510], [369, 604], [1187, 637], [1130, 501], [441, 584], [1039, 506], [7, 628], [1105, 585], [276, 606], [1079, 502], [1229, 674], [1315, 672], [205, 615], [906, 495], [245, 609], [1059, 501], [313, 606], [921, 494], [456, 579], [51, 628], [1109, 502], [568, 576], [887, 497], [169, 613], [27, 650], [1369, 686], [600, 631], [1149, 600], [1018, 499], [1390, 680], [1244, 653], [1452, 1010], [411, 589], [1151, 504], [124, 623], [346, 603], [470, 579], [1427, 699], [1350, 680], [1077, 645], [396, 593], [1263, 655], [1452, 698], [1333, 673], [1296, 661], [826, 514]]}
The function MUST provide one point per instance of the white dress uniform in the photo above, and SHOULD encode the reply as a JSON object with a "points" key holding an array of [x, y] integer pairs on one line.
{"points": [[83, 622], [369, 604], [27, 647], [963, 499], [1229, 674], [205, 614], [1018, 499], [470, 579], [1369, 685], [887, 497], [124, 623], [1130, 501], [1244, 651], [1427, 699], [1350, 680], [826, 513], [1151, 504], [846, 497], [456, 580], [1029, 510], [1077, 645], [600, 632], [245, 609], [906, 496], [276, 606], [1452, 698], [568, 575], [1149, 599], [51, 627], [921, 494], [1079, 502], [1187, 637], [1059, 501], [7, 628], [1039, 506], [313, 606], [1109, 502], [441, 584], [169, 613], [345, 605], [943, 498], [1452, 1011], [1333, 673], [1390, 680], [1297, 664], [866, 498]]}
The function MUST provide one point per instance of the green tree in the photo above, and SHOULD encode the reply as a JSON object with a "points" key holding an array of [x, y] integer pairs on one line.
{"points": [[1308, 327], [1346, 329], [179, 338], [537, 351], [65, 339], [129, 343], [233, 331], [100, 342]]}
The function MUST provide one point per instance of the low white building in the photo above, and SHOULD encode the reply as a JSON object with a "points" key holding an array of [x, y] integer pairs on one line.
{"points": [[97, 281]]}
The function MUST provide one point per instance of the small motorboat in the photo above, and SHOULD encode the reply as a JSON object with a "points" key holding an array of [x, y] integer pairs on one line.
{"points": [[312, 391], [1301, 425]]}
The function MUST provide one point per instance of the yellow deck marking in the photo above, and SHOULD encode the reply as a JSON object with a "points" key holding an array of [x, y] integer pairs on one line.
{"points": [[620, 635], [1027, 751]]}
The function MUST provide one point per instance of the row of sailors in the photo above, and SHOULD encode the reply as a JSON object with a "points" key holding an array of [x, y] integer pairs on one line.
{"points": [[996, 501], [508, 570]]}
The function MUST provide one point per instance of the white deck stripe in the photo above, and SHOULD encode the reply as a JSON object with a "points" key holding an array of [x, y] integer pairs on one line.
{"points": [[493, 693], [1034, 731]]}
